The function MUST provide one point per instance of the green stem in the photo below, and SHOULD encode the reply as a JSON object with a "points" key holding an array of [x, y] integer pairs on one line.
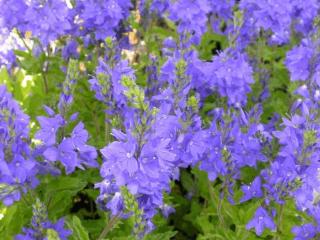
{"points": [[24, 42], [108, 227], [108, 128], [219, 204], [45, 81], [45, 70], [280, 218], [219, 211]]}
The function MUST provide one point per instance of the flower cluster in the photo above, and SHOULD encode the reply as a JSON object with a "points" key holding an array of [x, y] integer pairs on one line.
{"points": [[107, 82], [47, 21], [167, 108], [42, 228], [12, 13], [18, 168], [232, 76], [278, 17], [142, 159], [235, 141], [101, 18], [72, 151], [295, 171], [191, 16]]}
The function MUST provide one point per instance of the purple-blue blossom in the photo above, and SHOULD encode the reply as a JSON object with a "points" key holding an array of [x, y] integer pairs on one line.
{"points": [[252, 190], [261, 221], [145, 169], [278, 17], [48, 20], [191, 17], [102, 18], [72, 151], [12, 14], [18, 168], [229, 148], [232, 76], [41, 228], [298, 61], [107, 82], [305, 232]]}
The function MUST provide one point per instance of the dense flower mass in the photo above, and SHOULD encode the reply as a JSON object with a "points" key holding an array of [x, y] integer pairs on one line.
{"points": [[101, 18], [12, 13], [107, 82], [206, 113], [144, 161], [298, 61], [232, 76], [279, 17], [47, 21], [18, 167], [191, 16], [71, 151], [232, 147]]}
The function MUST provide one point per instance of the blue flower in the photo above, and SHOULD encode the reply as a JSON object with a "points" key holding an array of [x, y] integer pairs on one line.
{"points": [[121, 156], [40, 225], [191, 17], [260, 221], [107, 82], [49, 128], [298, 61], [252, 191], [102, 18], [48, 21], [72, 151], [232, 76], [18, 168], [305, 232]]}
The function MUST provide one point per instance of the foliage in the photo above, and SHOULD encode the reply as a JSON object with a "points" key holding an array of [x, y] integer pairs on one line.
{"points": [[159, 119]]}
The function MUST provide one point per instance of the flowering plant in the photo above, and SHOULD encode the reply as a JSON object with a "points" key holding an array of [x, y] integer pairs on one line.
{"points": [[159, 119]]}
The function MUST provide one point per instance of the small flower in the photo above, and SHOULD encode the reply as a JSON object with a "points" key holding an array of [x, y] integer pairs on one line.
{"points": [[252, 191], [260, 221], [49, 128], [298, 62], [304, 232]]}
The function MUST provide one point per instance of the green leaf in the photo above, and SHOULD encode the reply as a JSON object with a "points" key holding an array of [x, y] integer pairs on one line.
{"points": [[121, 238], [15, 217], [161, 236], [78, 231], [58, 193], [52, 235], [186, 180]]}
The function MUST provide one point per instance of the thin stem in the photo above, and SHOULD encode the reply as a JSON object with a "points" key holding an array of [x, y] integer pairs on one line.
{"points": [[280, 217], [45, 81], [219, 208], [44, 71], [109, 226], [245, 236], [108, 128], [96, 121], [24, 42], [219, 204], [25, 200]]}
